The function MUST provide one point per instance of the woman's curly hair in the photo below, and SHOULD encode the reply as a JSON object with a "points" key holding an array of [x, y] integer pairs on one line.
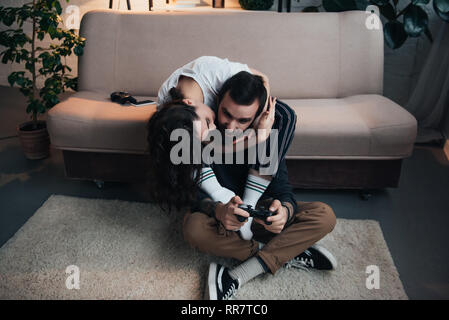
{"points": [[171, 185]]}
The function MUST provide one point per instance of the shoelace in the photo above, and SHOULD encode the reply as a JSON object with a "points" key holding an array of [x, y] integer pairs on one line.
{"points": [[301, 263], [231, 291]]}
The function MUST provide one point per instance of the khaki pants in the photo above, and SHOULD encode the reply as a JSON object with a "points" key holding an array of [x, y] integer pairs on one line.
{"points": [[311, 223]]}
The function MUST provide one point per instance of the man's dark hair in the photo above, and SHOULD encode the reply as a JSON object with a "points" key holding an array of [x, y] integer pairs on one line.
{"points": [[244, 88], [170, 185]]}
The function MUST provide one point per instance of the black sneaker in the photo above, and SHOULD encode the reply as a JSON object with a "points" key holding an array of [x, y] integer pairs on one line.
{"points": [[316, 257], [220, 285]]}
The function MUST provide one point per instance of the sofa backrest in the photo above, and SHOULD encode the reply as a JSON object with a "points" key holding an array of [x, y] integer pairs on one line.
{"points": [[305, 55]]}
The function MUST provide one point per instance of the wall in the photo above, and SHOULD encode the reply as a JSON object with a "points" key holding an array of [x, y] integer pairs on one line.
{"points": [[402, 66]]}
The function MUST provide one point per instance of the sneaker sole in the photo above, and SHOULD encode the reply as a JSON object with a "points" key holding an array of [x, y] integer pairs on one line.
{"points": [[327, 254], [211, 288]]}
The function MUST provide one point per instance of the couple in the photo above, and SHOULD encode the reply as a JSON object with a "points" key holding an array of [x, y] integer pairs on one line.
{"points": [[229, 96]]}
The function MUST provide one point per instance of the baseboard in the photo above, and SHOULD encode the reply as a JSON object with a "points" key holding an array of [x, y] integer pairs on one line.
{"points": [[315, 174], [344, 174]]}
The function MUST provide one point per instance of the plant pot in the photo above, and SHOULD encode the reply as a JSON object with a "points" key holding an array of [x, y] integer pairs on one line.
{"points": [[35, 142]]}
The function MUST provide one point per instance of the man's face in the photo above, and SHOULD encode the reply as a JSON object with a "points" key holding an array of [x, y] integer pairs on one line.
{"points": [[233, 116]]}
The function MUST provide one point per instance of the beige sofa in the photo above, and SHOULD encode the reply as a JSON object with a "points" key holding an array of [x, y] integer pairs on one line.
{"points": [[327, 66]]}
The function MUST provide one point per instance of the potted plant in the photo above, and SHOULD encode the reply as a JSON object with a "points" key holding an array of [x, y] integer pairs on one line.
{"points": [[44, 16], [414, 17], [256, 4]]}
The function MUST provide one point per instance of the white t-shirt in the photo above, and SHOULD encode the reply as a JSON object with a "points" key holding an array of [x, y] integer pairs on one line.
{"points": [[209, 72]]}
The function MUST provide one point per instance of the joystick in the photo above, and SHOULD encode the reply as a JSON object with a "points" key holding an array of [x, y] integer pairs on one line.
{"points": [[262, 213], [122, 97]]}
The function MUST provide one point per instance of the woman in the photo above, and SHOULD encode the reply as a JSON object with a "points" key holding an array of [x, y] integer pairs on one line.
{"points": [[169, 184]]}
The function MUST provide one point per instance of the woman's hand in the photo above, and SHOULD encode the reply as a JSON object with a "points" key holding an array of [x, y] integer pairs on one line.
{"points": [[264, 122]]}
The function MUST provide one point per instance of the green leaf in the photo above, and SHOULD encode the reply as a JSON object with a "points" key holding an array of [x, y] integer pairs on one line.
{"points": [[58, 7], [20, 38], [52, 31], [388, 12], [25, 14], [29, 66], [310, 9], [256, 4], [442, 15], [24, 54], [78, 50], [34, 106], [71, 83], [442, 5], [420, 2], [25, 91], [21, 81], [48, 64], [4, 39], [362, 4], [8, 19], [394, 34], [415, 21], [6, 56], [12, 78], [44, 55], [339, 5], [380, 2], [41, 108]]}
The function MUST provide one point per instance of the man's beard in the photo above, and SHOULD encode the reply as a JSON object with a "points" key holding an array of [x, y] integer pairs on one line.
{"points": [[227, 134]]}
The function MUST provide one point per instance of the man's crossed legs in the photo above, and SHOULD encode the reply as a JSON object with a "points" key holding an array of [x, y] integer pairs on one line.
{"points": [[293, 246]]}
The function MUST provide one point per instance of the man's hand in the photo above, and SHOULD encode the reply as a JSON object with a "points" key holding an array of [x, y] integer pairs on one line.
{"points": [[226, 214], [278, 219]]}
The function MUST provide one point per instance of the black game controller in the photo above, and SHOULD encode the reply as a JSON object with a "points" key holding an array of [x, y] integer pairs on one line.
{"points": [[122, 97], [262, 213]]}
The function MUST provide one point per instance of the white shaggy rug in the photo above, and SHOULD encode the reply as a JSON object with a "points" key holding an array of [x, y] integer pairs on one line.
{"points": [[129, 250]]}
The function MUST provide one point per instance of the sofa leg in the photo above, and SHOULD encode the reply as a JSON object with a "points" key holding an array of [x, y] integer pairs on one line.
{"points": [[99, 183], [365, 194]]}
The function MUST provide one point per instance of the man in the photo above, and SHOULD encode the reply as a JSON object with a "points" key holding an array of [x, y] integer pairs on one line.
{"points": [[199, 84], [295, 228]]}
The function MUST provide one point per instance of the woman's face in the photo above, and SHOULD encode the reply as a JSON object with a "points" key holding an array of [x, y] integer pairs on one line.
{"points": [[206, 117]]}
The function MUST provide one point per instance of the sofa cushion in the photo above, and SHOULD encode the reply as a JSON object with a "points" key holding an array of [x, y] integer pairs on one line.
{"points": [[356, 127], [89, 121]]}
